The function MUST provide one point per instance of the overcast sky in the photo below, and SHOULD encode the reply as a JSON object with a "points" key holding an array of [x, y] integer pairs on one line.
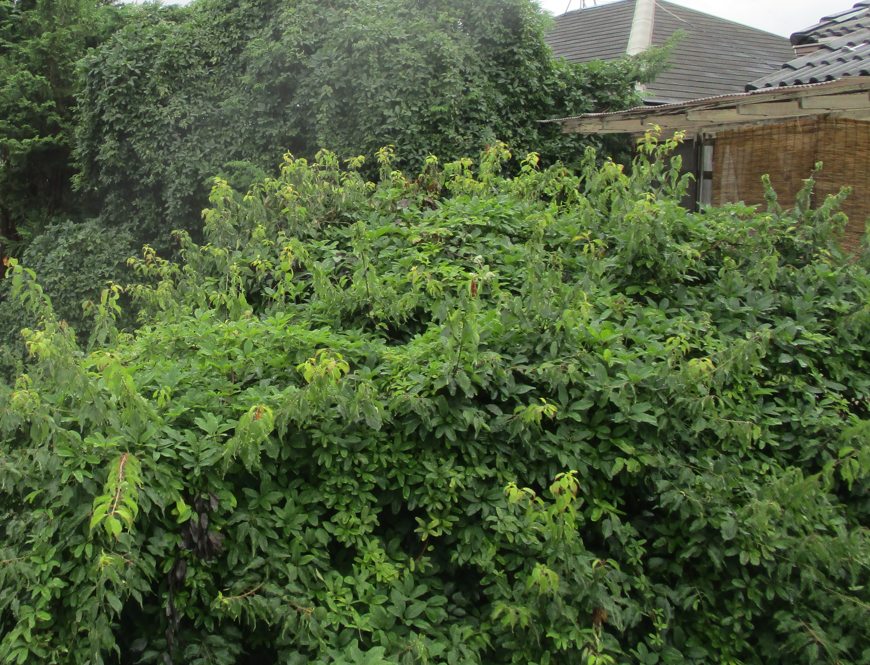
{"points": [[782, 17]]}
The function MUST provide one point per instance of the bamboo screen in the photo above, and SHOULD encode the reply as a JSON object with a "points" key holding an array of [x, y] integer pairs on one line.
{"points": [[787, 152]]}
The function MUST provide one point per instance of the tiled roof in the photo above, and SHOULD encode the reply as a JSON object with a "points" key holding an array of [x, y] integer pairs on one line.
{"points": [[843, 49], [594, 33], [836, 25], [715, 57]]}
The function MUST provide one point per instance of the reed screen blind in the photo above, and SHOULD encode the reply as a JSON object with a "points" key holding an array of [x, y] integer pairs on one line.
{"points": [[787, 152]]}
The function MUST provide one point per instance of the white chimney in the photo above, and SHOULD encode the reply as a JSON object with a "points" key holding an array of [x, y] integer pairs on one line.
{"points": [[641, 35]]}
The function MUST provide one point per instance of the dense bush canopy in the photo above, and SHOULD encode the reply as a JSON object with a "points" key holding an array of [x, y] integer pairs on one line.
{"points": [[222, 86], [459, 419]]}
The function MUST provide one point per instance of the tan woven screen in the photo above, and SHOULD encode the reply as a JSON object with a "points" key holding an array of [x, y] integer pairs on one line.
{"points": [[787, 152], [844, 147]]}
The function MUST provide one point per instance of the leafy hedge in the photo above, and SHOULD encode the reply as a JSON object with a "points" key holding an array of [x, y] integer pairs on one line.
{"points": [[459, 419]]}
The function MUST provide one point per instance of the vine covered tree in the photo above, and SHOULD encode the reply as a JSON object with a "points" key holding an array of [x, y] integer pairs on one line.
{"points": [[221, 86]]}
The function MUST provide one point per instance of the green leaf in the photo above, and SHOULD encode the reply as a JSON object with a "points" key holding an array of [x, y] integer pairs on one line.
{"points": [[729, 528], [415, 610]]}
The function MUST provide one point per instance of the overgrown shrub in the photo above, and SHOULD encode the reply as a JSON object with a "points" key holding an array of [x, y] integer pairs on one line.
{"points": [[459, 419]]}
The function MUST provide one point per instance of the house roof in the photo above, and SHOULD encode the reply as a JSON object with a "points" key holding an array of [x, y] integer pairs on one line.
{"points": [[837, 46], [835, 25], [715, 57], [844, 98]]}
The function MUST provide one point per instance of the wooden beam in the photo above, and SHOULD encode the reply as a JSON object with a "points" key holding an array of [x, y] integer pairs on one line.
{"points": [[682, 121], [592, 129], [853, 114], [673, 120], [719, 115], [668, 124], [689, 135], [750, 112], [836, 102], [581, 126], [626, 124], [786, 108]]}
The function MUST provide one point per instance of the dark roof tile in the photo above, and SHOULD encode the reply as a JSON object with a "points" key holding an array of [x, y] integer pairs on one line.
{"points": [[594, 33], [843, 50], [838, 24]]}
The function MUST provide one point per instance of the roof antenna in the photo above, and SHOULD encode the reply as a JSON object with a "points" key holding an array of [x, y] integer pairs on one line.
{"points": [[582, 4]]}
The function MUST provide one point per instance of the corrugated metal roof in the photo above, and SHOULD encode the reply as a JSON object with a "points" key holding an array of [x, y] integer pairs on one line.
{"points": [[843, 50], [716, 56]]}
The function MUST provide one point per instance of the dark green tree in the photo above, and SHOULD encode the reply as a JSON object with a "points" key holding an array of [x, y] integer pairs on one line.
{"points": [[221, 86], [40, 44]]}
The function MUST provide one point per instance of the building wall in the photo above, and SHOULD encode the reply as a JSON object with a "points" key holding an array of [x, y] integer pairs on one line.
{"points": [[787, 153]]}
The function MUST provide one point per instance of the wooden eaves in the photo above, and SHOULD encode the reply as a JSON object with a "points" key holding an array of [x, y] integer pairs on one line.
{"points": [[844, 98]]}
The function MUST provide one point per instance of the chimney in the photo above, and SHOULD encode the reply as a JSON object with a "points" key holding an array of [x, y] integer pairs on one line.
{"points": [[641, 35]]}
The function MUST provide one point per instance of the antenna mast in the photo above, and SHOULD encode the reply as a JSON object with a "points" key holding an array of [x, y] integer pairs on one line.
{"points": [[583, 4]]}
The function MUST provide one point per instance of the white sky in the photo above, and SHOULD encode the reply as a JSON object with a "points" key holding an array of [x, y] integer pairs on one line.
{"points": [[782, 17]]}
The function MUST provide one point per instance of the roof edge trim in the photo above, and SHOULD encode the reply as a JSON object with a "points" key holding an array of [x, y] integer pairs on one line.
{"points": [[851, 84]]}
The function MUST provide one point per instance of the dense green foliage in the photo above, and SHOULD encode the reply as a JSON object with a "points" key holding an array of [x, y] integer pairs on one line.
{"points": [[40, 43], [186, 92], [221, 86], [74, 262], [459, 419]]}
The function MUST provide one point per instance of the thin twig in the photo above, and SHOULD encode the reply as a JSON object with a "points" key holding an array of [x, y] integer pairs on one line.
{"points": [[249, 592], [425, 545], [120, 481]]}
